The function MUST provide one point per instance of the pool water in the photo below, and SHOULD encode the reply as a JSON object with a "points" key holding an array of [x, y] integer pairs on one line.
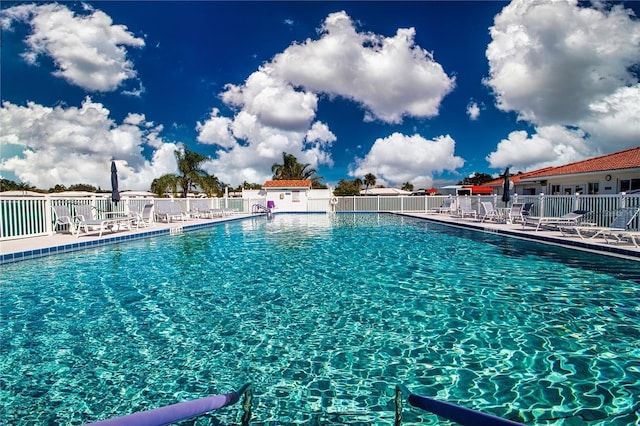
{"points": [[324, 315]]}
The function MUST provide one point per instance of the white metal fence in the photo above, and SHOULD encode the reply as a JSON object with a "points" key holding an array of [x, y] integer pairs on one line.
{"points": [[28, 216]]}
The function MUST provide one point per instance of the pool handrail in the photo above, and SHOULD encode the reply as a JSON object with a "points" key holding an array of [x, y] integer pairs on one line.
{"points": [[453, 412], [176, 412]]}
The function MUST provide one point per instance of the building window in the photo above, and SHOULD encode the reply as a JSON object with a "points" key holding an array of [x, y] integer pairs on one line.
{"points": [[555, 189], [593, 188], [296, 196], [567, 191], [627, 185]]}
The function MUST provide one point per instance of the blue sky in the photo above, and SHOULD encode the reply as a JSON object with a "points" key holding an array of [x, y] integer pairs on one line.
{"points": [[422, 92]]}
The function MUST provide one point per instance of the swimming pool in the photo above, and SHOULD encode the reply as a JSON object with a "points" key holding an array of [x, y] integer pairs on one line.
{"points": [[324, 314]]}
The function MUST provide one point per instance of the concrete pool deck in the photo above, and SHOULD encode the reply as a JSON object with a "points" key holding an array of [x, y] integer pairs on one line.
{"points": [[624, 249], [35, 247]]}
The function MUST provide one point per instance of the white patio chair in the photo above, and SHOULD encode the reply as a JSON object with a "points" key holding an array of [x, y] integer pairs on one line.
{"points": [[465, 209], [489, 212], [88, 222], [64, 218], [167, 210]]}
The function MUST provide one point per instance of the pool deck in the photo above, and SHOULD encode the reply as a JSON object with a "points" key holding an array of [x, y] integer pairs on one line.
{"points": [[35, 247], [623, 249]]}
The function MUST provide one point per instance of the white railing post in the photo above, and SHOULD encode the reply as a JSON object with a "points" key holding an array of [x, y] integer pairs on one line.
{"points": [[47, 215], [541, 212]]}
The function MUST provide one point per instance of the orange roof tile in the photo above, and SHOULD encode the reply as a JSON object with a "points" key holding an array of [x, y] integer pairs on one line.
{"points": [[627, 159], [287, 184]]}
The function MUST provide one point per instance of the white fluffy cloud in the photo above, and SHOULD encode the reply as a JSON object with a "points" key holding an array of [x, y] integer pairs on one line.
{"points": [[473, 110], [72, 145], [400, 158], [87, 50], [390, 76], [556, 63], [549, 146]]}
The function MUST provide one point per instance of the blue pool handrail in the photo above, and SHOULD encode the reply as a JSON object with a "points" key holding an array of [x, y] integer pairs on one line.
{"points": [[456, 413], [178, 412]]}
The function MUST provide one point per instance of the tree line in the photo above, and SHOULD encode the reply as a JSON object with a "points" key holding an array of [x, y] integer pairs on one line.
{"points": [[193, 177]]}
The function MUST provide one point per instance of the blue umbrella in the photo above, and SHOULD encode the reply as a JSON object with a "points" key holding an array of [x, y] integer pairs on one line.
{"points": [[115, 193], [506, 196]]}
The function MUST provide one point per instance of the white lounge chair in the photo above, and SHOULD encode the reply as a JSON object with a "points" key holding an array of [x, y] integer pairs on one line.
{"points": [[88, 222], [64, 218], [489, 212], [568, 219], [144, 217], [167, 210], [622, 219], [514, 214], [465, 209], [200, 208], [447, 206]]}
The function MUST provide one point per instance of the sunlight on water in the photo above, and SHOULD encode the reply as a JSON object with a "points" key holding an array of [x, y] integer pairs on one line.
{"points": [[324, 314]]}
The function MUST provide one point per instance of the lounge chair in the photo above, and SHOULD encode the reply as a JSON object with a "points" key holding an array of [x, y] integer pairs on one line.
{"points": [[142, 217], [622, 219], [489, 212], [88, 222], [514, 214], [64, 218], [465, 209], [447, 206], [568, 219], [167, 210], [199, 208], [632, 236], [526, 209]]}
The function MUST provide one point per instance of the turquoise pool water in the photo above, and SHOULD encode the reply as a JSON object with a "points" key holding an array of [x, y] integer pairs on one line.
{"points": [[324, 315]]}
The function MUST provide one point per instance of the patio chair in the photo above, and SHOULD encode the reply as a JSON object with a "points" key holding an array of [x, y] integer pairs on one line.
{"points": [[199, 208], [514, 214], [465, 209], [167, 210], [568, 219], [142, 217], [447, 206], [88, 222], [64, 218], [489, 212], [622, 219]]}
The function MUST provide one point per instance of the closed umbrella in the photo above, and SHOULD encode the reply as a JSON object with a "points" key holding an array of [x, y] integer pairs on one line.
{"points": [[506, 196], [115, 193]]}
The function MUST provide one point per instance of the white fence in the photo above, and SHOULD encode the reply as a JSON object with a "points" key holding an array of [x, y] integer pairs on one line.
{"points": [[28, 216]]}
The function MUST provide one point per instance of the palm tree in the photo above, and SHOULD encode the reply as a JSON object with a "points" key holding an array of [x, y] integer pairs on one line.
{"points": [[161, 185], [189, 165], [369, 180], [407, 186], [211, 186], [290, 169]]}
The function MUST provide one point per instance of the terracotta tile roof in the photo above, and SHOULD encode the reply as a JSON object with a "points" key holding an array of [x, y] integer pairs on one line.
{"points": [[627, 159], [287, 184]]}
